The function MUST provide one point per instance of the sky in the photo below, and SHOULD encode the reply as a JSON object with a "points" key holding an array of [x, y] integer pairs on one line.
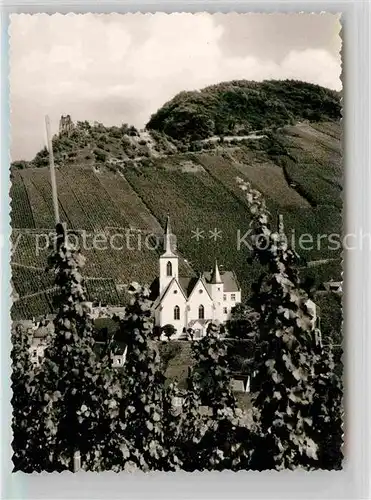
{"points": [[117, 69]]}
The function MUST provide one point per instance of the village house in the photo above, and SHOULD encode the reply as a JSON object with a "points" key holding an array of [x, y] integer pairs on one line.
{"points": [[191, 302], [38, 331]]}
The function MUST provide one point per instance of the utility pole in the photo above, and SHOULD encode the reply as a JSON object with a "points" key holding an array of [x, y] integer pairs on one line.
{"points": [[76, 461], [52, 170]]}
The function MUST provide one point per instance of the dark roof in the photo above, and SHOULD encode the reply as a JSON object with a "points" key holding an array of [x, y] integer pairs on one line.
{"points": [[118, 347], [154, 289], [187, 284], [44, 330], [228, 278]]}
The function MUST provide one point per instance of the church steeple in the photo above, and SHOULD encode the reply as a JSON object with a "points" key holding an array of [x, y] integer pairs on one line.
{"points": [[215, 277], [169, 239], [168, 260]]}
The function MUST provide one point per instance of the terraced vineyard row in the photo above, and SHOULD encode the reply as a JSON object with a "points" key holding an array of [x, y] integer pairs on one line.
{"points": [[93, 199], [333, 129], [28, 280], [42, 210], [42, 182], [103, 291], [315, 166], [316, 189], [41, 304], [30, 249], [197, 202], [27, 308], [97, 290], [20, 204], [132, 209], [78, 218], [87, 201], [300, 217], [115, 257]]}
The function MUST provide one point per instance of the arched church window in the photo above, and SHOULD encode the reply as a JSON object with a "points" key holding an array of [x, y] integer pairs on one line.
{"points": [[169, 269], [176, 312], [201, 312]]}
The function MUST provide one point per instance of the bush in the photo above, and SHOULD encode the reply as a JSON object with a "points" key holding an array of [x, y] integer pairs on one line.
{"points": [[21, 164], [100, 156], [168, 331], [133, 131]]}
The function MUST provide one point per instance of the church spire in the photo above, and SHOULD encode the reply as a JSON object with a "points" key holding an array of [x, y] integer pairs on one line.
{"points": [[167, 226], [169, 239], [215, 277]]}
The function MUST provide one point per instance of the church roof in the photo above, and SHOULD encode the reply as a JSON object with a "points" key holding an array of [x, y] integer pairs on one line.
{"points": [[228, 279], [169, 240], [168, 226], [155, 289], [187, 284]]}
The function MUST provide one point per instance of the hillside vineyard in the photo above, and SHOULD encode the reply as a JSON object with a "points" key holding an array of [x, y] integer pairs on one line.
{"points": [[120, 179], [184, 309]]}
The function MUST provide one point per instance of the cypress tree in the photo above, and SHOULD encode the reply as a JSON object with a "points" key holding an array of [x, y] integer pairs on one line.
{"points": [[30, 440], [288, 359], [142, 410], [192, 428], [226, 442], [71, 369]]}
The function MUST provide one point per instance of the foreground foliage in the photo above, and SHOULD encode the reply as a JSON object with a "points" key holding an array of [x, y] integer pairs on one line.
{"points": [[128, 419], [298, 391]]}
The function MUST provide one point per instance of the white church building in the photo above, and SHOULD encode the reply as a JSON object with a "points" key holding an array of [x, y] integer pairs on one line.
{"points": [[191, 302]]}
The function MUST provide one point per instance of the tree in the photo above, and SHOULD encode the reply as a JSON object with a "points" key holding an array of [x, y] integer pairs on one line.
{"points": [[142, 411], [211, 372], [287, 358], [78, 390], [327, 409], [193, 425], [172, 425], [41, 159], [168, 331], [243, 323], [30, 443], [100, 155], [226, 441], [20, 164], [110, 442]]}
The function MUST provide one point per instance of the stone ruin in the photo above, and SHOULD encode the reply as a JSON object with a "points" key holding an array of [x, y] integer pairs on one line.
{"points": [[66, 125]]}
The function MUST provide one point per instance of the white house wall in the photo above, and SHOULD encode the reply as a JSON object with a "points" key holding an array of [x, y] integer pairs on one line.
{"points": [[198, 297], [229, 304], [216, 292], [173, 297]]}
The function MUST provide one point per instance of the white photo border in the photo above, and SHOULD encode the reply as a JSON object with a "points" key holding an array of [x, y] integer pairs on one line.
{"points": [[353, 481]]}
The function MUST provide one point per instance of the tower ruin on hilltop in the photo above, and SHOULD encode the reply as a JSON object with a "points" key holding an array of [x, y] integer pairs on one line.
{"points": [[66, 125]]}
